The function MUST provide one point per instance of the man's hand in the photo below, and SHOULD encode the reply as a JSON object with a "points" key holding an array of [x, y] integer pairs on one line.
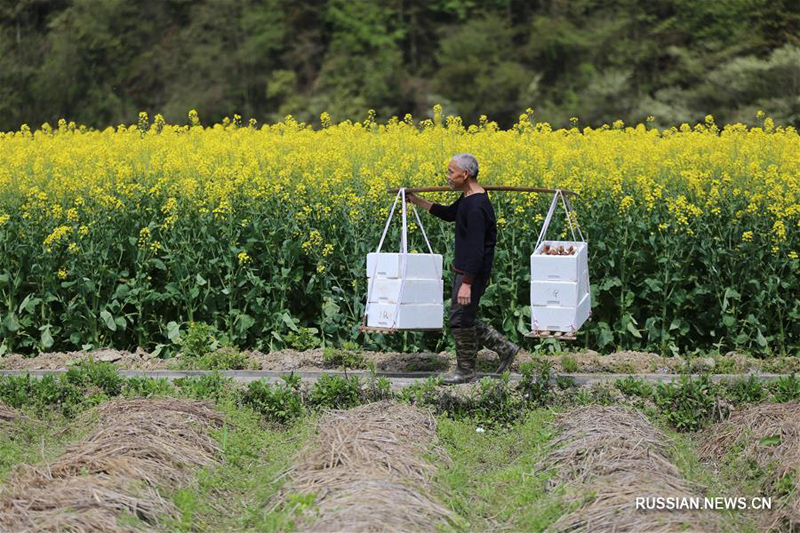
{"points": [[465, 294], [416, 200]]}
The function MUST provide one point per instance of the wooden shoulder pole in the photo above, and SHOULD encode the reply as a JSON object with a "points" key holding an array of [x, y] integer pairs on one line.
{"points": [[503, 188]]}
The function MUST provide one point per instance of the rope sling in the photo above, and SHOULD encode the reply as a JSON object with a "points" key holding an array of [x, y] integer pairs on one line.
{"points": [[401, 196]]}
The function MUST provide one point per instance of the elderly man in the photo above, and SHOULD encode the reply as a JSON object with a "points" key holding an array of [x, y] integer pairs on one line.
{"points": [[476, 235]]}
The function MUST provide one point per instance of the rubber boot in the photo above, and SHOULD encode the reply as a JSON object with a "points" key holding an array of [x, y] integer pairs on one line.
{"points": [[495, 341], [466, 357]]}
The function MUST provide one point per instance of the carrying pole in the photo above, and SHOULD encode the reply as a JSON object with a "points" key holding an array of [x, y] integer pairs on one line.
{"points": [[488, 188]]}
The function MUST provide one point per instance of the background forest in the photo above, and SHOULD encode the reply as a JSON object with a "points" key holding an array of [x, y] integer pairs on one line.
{"points": [[100, 62]]}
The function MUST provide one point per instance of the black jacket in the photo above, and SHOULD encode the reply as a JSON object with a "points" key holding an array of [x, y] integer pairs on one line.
{"points": [[476, 234]]}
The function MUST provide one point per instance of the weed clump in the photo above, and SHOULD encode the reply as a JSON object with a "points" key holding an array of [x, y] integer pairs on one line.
{"points": [[347, 356], [281, 403]]}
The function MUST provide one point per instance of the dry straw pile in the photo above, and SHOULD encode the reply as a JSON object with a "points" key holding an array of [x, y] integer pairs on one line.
{"points": [[609, 456], [7, 414], [368, 472], [137, 447], [768, 434]]}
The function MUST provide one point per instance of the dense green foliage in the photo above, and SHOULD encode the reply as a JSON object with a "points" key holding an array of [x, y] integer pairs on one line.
{"points": [[99, 62]]}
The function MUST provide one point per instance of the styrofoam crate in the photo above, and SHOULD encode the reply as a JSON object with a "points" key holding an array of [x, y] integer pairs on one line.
{"points": [[567, 319], [559, 267], [560, 293], [409, 316], [415, 291], [389, 265]]}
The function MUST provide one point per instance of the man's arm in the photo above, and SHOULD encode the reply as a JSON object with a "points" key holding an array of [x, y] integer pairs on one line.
{"points": [[446, 213], [416, 200]]}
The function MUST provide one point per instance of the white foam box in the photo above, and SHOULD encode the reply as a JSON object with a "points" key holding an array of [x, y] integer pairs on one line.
{"points": [[415, 291], [560, 293], [389, 265], [559, 267], [409, 316], [565, 319]]}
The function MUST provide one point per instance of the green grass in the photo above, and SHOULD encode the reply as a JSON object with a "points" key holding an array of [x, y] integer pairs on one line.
{"points": [[569, 364], [33, 441], [239, 495], [685, 457], [492, 482]]}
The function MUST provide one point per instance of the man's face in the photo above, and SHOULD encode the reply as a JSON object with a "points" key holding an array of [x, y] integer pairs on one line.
{"points": [[456, 177]]}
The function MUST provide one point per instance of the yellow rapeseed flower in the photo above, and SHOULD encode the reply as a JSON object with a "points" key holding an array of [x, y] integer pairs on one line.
{"points": [[56, 236], [779, 231], [626, 204]]}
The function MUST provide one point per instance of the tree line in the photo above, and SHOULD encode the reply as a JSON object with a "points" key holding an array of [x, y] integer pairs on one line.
{"points": [[100, 62]]}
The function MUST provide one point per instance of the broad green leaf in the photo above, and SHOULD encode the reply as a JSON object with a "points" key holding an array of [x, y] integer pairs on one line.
{"points": [[173, 332], [771, 440], [731, 293], [109, 320], [329, 308], [287, 319], [122, 291], [760, 339], [11, 322], [634, 331], [654, 284], [608, 283], [244, 322], [47, 338]]}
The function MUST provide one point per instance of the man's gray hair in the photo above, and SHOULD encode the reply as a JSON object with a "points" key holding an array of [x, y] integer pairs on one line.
{"points": [[467, 162]]}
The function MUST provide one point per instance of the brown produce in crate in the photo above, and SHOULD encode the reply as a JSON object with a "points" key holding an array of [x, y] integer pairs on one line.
{"points": [[560, 250]]}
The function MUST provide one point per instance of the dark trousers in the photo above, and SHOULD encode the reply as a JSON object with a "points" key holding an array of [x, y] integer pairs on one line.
{"points": [[463, 316]]}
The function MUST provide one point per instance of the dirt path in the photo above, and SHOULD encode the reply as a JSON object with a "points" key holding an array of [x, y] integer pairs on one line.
{"points": [[623, 362]]}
